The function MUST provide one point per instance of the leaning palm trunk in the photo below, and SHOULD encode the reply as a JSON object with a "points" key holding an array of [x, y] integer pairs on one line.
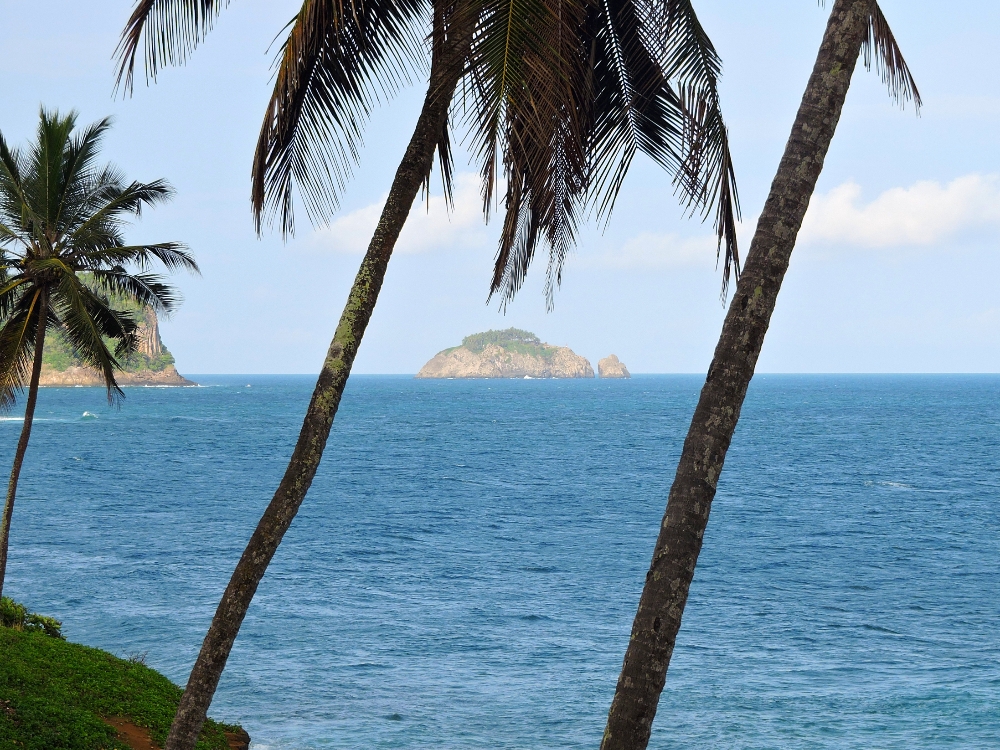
{"points": [[665, 592], [446, 70], [22, 443]]}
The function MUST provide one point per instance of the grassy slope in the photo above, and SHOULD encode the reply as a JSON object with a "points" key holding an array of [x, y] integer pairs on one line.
{"points": [[54, 693]]}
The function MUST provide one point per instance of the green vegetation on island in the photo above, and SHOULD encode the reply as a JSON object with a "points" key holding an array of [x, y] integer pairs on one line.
{"points": [[58, 355], [55, 695], [511, 340], [151, 354]]}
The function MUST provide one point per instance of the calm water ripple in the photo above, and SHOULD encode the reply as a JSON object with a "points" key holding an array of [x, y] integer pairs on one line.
{"points": [[464, 571]]}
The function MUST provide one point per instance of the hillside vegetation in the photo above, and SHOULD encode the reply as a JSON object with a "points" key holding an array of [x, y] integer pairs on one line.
{"points": [[54, 694], [512, 340], [59, 354]]}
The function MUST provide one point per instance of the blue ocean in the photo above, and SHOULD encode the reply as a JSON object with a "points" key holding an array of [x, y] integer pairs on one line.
{"points": [[465, 569]]}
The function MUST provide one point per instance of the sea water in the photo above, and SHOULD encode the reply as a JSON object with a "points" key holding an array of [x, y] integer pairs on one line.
{"points": [[466, 566]]}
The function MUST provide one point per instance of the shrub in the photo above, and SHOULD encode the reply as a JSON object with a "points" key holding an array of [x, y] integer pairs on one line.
{"points": [[479, 341], [17, 616]]}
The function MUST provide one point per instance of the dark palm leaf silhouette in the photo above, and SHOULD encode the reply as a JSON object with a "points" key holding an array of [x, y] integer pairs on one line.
{"points": [[558, 95]]}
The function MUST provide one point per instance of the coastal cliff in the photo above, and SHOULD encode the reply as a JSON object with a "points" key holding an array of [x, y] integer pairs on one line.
{"points": [[512, 353], [152, 364]]}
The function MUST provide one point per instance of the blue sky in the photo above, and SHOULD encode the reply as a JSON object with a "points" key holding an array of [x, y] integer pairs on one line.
{"points": [[895, 270]]}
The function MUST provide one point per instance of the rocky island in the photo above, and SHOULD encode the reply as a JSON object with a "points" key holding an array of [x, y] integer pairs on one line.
{"points": [[612, 367], [512, 353], [153, 364]]}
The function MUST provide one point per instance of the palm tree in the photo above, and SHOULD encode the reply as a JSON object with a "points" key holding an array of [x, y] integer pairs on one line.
{"points": [[855, 26], [560, 94], [63, 265]]}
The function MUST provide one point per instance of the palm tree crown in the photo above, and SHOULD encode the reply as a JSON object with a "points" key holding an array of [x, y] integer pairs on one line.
{"points": [[63, 256], [558, 97]]}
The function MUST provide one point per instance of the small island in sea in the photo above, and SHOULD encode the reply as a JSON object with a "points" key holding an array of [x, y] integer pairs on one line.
{"points": [[612, 367], [152, 364], [512, 353]]}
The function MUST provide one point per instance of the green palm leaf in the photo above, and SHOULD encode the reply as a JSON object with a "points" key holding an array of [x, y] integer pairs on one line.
{"points": [[17, 338]]}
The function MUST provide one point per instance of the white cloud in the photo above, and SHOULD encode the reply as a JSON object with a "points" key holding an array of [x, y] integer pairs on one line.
{"points": [[922, 214], [426, 229]]}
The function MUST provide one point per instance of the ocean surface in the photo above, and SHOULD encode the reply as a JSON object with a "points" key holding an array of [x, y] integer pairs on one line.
{"points": [[465, 569]]}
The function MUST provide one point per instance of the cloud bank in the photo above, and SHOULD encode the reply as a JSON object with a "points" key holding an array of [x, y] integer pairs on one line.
{"points": [[923, 214], [429, 227]]}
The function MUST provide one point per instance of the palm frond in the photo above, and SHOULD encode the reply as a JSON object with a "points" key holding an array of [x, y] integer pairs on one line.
{"points": [[880, 44], [531, 118], [335, 64], [708, 180], [80, 154], [586, 93], [47, 157], [104, 200], [686, 52], [172, 29], [172, 255], [14, 209], [17, 340], [506, 30], [636, 109], [145, 289], [11, 291], [87, 320]]}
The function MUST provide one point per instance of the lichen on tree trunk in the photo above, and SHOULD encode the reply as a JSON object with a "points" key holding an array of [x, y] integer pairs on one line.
{"points": [[446, 69], [658, 619]]}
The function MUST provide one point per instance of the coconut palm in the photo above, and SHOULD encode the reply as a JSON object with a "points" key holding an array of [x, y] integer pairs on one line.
{"points": [[64, 265], [559, 95], [855, 27]]}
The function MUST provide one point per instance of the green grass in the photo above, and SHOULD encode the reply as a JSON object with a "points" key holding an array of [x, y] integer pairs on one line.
{"points": [[54, 693]]}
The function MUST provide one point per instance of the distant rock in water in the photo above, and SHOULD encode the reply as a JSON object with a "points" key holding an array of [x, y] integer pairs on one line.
{"points": [[612, 367], [153, 364], [506, 354]]}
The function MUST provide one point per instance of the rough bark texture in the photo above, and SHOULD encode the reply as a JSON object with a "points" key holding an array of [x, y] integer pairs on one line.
{"points": [[446, 69], [664, 594], [22, 443]]}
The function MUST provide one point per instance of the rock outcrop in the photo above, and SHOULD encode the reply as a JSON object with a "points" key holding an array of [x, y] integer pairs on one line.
{"points": [[82, 375], [152, 364], [506, 354], [612, 367]]}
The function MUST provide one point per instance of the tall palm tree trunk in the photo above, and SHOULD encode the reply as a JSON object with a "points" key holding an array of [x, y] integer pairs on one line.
{"points": [[664, 594], [446, 70], [22, 443]]}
